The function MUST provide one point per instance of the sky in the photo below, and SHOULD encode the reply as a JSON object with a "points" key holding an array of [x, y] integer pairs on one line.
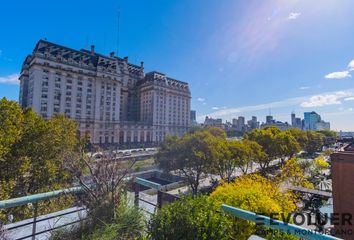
{"points": [[240, 58]]}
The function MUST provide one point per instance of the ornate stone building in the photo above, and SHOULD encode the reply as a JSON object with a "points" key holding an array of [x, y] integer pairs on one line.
{"points": [[114, 101]]}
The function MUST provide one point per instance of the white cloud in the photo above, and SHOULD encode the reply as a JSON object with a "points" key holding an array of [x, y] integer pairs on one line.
{"points": [[201, 99], [338, 75], [10, 79], [204, 103], [349, 99], [350, 109], [351, 65], [215, 108], [294, 15], [326, 99], [304, 88], [342, 74]]}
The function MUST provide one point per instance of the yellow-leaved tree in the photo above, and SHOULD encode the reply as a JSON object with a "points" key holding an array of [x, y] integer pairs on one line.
{"points": [[292, 174], [256, 194]]}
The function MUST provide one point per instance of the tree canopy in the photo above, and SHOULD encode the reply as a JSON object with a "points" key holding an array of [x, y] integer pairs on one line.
{"points": [[236, 154], [33, 151], [190, 155], [253, 193]]}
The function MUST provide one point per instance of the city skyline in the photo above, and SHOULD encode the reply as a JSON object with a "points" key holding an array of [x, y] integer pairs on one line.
{"points": [[245, 60], [266, 120]]}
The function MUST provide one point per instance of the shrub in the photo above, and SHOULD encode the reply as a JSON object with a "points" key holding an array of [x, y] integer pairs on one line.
{"points": [[129, 224], [189, 218], [253, 193], [321, 163]]}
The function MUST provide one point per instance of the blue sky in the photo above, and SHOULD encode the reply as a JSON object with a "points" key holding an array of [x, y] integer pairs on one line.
{"points": [[239, 57]]}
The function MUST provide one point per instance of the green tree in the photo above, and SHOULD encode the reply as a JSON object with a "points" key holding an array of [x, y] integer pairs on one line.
{"points": [[330, 137], [33, 153], [216, 132], [254, 153], [224, 164], [11, 119], [286, 145], [190, 218], [267, 139], [240, 154], [314, 143], [299, 135], [190, 156]]}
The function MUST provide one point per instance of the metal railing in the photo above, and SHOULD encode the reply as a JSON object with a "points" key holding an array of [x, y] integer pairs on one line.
{"points": [[292, 229], [15, 202], [162, 197], [35, 199]]}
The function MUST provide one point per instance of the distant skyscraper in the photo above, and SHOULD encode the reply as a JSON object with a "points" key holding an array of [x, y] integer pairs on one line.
{"points": [[269, 119], [310, 119], [295, 122], [209, 121], [234, 122], [193, 119], [253, 123], [239, 124], [313, 121], [193, 116]]}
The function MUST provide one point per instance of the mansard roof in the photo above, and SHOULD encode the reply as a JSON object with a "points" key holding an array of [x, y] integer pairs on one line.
{"points": [[93, 59]]}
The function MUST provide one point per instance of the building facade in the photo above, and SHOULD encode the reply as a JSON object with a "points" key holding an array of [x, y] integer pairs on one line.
{"points": [[114, 102], [215, 122], [342, 168], [239, 124], [253, 123], [281, 125], [313, 121], [193, 118], [296, 122]]}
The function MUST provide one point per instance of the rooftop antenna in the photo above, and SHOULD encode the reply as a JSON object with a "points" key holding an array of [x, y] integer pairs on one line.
{"points": [[270, 112], [86, 43], [104, 42], [118, 31]]}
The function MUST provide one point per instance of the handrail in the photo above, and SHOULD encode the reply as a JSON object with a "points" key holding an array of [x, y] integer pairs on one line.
{"points": [[14, 202], [148, 183], [35, 198], [276, 224]]}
